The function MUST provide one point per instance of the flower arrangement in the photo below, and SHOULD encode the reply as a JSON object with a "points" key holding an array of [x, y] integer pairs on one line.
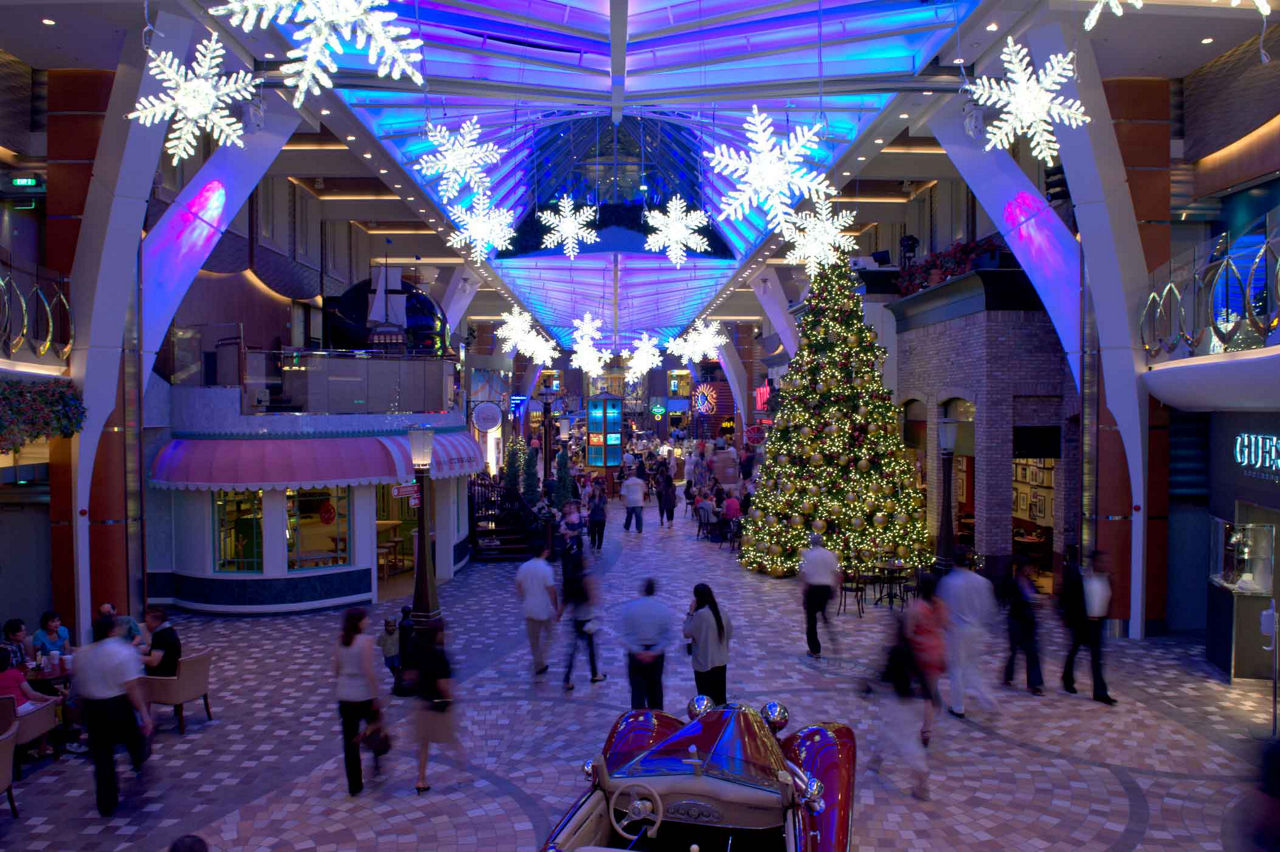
{"points": [[948, 263], [33, 410]]}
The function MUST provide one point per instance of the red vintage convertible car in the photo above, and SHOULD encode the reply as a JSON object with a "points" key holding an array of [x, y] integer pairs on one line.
{"points": [[724, 781]]}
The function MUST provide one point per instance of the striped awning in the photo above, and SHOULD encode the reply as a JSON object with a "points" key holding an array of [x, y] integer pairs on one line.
{"points": [[454, 454], [240, 464]]}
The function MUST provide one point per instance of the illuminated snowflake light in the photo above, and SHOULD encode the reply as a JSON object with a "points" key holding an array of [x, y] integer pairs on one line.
{"points": [[1114, 5], [701, 342], [1027, 100], [323, 26], [458, 158], [586, 357], [644, 357], [676, 231], [482, 227], [518, 335], [769, 175], [196, 99], [1264, 8], [568, 227], [818, 237]]}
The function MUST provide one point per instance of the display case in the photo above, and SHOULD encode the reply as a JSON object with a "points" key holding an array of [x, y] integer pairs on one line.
{"points": [[1241, 578], [604, 431]]}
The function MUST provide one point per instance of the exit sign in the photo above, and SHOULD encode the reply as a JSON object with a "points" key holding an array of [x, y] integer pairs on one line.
{"points": [[24, 181]]}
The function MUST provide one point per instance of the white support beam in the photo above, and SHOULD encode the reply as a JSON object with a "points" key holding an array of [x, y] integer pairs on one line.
{"points": [[736, 374], [458, 295], [102, 275], [617, 57], [773, 301]]}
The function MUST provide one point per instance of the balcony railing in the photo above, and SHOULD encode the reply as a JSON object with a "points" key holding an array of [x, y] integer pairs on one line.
{"points": [[36, 324], [311, 381], [1221, 296]]}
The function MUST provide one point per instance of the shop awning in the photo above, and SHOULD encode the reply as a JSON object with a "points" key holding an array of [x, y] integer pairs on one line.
{"points": [[452, 454], [232, 464]]}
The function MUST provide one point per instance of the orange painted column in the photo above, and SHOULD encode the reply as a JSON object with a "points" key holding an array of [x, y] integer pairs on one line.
{"points": [[77, 103], [1142, 121]]}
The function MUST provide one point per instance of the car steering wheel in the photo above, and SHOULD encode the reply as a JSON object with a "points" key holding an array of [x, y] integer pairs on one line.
{"points": [[638, 810]]}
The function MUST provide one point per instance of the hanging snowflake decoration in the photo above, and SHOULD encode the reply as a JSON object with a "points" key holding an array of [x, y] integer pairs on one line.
{"points": [[1264, 8], [818, 237], [324, 26], [569, 227], [1028, 101], [1114, 5], [769, 175], [701, 342], [644, 357], [458, 158], [196, 99], [586, 357], [518, 335], [482, 227], [677, 231]]}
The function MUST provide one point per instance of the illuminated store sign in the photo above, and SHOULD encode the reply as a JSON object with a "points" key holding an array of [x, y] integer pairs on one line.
{"points": [[1259, 455]]}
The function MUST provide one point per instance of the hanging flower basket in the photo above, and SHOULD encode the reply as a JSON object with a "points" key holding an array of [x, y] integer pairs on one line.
{"points": [[33, 410]]}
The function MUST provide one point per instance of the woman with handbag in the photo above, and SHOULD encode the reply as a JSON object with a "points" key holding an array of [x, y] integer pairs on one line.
{"points": [[435, 717], [357, 689], [709, 632]]}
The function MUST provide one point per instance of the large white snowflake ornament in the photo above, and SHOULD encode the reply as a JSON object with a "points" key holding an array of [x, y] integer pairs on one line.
{"points": [[458, 158], [196, 99], [677, 231], [482, 226], [818, 238], [1264, 8], [586, 357], [518, 334], [568, 227], [701, 342], [1114, 5], [323, 26], [769, 175], [644, 357], [1027, 100]]}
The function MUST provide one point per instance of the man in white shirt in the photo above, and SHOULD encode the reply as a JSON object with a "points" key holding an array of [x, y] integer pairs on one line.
{"points": [[647, 630], [820, 575], [536, 586], [633, 490], [108, 680], [971, 610]]}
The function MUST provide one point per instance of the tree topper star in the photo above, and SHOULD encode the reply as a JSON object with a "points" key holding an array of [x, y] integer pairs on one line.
{"points": [[198, 98], [458, 158], [569, 227], [1028, 101], [818, 237], [676, 231], [323, 26], [768, 174]]}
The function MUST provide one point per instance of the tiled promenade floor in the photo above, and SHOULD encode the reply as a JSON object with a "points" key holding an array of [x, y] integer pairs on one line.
{"points": [[1168, 768]]}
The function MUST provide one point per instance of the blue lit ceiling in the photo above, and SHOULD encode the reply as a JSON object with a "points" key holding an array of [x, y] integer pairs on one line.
{"points": [[548, 81]]}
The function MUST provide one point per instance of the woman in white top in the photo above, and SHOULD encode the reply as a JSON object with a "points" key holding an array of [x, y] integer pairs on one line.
{"points": [[357, 689], [709, 632]]}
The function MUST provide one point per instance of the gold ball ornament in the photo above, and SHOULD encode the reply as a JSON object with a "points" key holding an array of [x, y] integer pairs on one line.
{"points": [[783, 458], [869, 503], [880, 519], [874, 488], [754, 514], [903, 550], [807, 507], [797, 521], [857, 382], [821, 387], [873, 428], [804, 341], [788, 487], [762, 547], [812, 490], [863, 411], [806, 431], [748, 541], [890, 505], [830, 428], [900, 518], [844, 459], [820, 526], [917, 516], [864, 465], [858, 523], [871, 335], [851, 498], [854, 340], [815, 459], [866, 555], [774, 550], [771, 520]]}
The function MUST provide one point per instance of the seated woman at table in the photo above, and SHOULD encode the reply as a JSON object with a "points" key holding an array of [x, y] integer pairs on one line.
{"points": [[13, 683], [51, 636]]}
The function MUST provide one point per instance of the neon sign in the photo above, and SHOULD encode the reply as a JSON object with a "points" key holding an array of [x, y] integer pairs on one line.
{"points": [[1259, 455], [704, 399]]}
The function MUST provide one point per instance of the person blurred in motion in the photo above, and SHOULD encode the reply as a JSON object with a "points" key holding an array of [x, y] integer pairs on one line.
{"points": [[820, 576], [709, 631], [901, 715], [971, 610], [597, 514], [926, 624], [1086, 631], [536, 586], [436, 720], [389, 644], [580, 596], [1022, 628]]}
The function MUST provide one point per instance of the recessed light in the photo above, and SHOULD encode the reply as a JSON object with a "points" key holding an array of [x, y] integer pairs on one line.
{"points": [[410, 198], [992, 27], [903, 115], [268, 56], [927, 92], [48, 22], [878, 141], [382, 171], [395, 186], [847, 174], [959, 60], [422, 210], [1208, 40], [351, 138], [368, 156], [324, 112], [860, 159]]}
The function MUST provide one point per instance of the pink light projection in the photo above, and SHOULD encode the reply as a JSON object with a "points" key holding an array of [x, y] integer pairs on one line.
{"points": [[1022, 216], [202, 220]]}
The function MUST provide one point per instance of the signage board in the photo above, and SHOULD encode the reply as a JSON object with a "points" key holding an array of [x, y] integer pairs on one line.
{"points": [[486, 416], [415, 502], [404, 490], [24, 181], [1258, 455]]}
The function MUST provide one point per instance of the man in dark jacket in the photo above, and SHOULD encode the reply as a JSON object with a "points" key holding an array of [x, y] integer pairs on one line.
{"points": [[1022, 628], [1085, 631]]}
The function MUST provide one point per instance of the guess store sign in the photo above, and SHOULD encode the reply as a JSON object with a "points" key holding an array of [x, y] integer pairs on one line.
{"points": [[1259, 455]]}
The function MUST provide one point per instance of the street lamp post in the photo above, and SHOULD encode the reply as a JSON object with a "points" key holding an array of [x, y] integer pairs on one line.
{"points": [[945, 556], [426, 600], [548, 395]]}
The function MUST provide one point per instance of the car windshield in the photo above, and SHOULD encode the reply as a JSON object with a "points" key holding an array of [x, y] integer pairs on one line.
{"points": [[731, 742]]}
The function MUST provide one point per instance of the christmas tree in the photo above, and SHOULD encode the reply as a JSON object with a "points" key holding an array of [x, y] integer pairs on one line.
{"points": [[532, 490], [515, 464], [835, 462], [564, 480]]}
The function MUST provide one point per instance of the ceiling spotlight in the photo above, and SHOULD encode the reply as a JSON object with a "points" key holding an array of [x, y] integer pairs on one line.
{"points": [[422, 210], [351, 138], [410, 198], [368, 156], [927, 92], [959, 60], [395, 186], [48, 22], [878, 141], [847, 174], [860, 159], [644, 187], [1208, 40], [324, 112], [992, 27], [268, 56], [903, 115], [382, 171]]}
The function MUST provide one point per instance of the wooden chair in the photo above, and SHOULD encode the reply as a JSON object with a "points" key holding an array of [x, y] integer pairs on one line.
{"points": [[33, 726], [8, 742], [191, 682]]}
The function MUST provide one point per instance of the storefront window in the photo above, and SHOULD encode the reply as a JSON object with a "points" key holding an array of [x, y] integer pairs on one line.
{"points": [[396, 520], [319, 527], [237, 524]]}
